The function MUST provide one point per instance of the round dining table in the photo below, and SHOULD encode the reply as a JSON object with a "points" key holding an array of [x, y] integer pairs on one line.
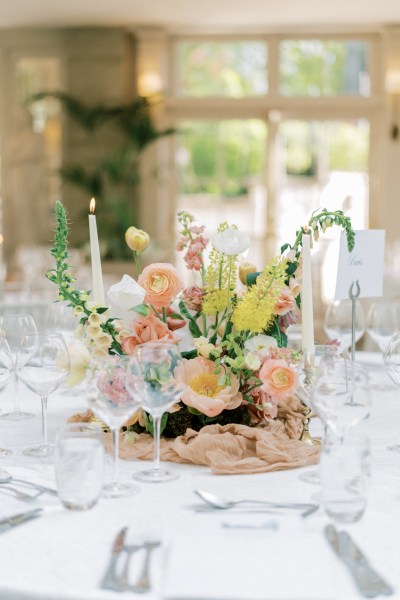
{"points": [[235, 554]]}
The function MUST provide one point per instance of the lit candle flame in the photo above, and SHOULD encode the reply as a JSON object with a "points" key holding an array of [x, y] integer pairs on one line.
{"points": [[1, 239], [92, 206]]}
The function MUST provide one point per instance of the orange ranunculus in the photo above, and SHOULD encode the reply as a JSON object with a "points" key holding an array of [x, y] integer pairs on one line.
{"points": [[203, 391], [285, 302], [162, 284], [147, 329], [279, 379]]}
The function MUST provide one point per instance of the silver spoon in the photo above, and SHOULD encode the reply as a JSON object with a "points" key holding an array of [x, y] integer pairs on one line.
{"points": [[223, 504], [5, 477], [21, 495]]}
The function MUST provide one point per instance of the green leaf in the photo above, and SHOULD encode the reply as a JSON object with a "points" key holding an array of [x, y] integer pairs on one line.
{"points": [[150, 424], [175, 316], [102, 310], [189, 354], [194, 329], [291, 268], [142, 309], [194, 411], [252, 278], [284, 247]]}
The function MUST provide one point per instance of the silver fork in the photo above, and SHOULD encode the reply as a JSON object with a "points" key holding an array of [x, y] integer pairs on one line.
{"points": [[142, 585], [123, 579], [23, 496]]}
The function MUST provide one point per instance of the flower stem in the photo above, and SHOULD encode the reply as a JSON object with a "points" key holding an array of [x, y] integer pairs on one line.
{"points": [[138, 266]]}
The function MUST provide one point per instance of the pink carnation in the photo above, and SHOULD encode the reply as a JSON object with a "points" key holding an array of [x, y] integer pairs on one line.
{"points": [[197, 229], [193, 297], [194, 255]]}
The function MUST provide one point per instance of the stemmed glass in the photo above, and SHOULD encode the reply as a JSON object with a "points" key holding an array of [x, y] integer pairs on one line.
{"points": [[383, 320], [337, 323], [157, 363], [13, 327], [337, 390], [341, 395], [6, 371], [113, 401], [312, 365], [60, 319], [391, 360], [40, 367]]}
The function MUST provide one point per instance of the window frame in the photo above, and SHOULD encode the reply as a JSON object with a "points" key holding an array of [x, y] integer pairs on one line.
{"points": [[274, 104]]}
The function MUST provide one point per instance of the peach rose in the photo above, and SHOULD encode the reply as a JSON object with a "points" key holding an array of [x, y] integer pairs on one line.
{"points": [[285, 302], [264, 408], [162, 284], [203, 391], [147, 329], [279, 379]]}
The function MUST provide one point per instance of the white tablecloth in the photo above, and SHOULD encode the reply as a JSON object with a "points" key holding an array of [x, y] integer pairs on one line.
{"points": [[63, 554]]}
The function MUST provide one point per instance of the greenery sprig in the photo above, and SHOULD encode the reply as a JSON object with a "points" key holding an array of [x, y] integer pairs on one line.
{"points": [[79, 300], [320, 222]]}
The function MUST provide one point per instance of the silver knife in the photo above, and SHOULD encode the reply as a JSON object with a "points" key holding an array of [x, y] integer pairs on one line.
{"points": [[109, 581], [10, 522], [368, 581]]}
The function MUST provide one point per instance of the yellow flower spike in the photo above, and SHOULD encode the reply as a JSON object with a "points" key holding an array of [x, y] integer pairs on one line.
{"points": [[137, 239]]}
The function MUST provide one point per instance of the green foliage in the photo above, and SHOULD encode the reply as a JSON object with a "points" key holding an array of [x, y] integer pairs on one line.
{"points": [[113, 180], [320, 221]]}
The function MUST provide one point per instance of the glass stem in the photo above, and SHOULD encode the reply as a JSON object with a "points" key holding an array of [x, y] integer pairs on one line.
{"points": [[44, 420], [16, 395], [157, 441], [116, 454]]}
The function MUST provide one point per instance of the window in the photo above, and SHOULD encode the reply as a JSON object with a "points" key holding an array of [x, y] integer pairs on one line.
{"points": [[312, 67], [227, 69]]}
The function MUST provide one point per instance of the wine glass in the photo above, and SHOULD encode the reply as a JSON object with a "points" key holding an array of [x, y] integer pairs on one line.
{"points": [[337, 323], [311, 367], [6, 372], [38, 365], [14, 327], [383, 320], [341, 396], [157, 363], [113, 401], [391, 361], [336, 389], [61, 319]]}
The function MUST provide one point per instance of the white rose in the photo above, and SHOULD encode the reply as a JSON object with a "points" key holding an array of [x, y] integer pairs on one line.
{"points": [[231, 241], [124, 296], [261, 343]]}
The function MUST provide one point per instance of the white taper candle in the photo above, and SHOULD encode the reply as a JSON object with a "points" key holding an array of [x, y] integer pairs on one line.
{"points": [[97, 274], [307, 298]]}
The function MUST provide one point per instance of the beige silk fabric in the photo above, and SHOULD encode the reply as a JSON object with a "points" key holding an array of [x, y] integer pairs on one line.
{"points": [[229, 449]]}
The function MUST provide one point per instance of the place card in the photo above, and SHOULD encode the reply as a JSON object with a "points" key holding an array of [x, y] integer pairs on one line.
{"points": [[364, 264]]}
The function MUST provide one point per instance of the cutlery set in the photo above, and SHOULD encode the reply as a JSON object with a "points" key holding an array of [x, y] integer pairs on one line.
{"points": [[117, 578], [368, 581], [117, 575]]}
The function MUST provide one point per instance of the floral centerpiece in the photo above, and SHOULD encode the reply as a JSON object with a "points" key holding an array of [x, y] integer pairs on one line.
{"points": [[231, 324]]}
